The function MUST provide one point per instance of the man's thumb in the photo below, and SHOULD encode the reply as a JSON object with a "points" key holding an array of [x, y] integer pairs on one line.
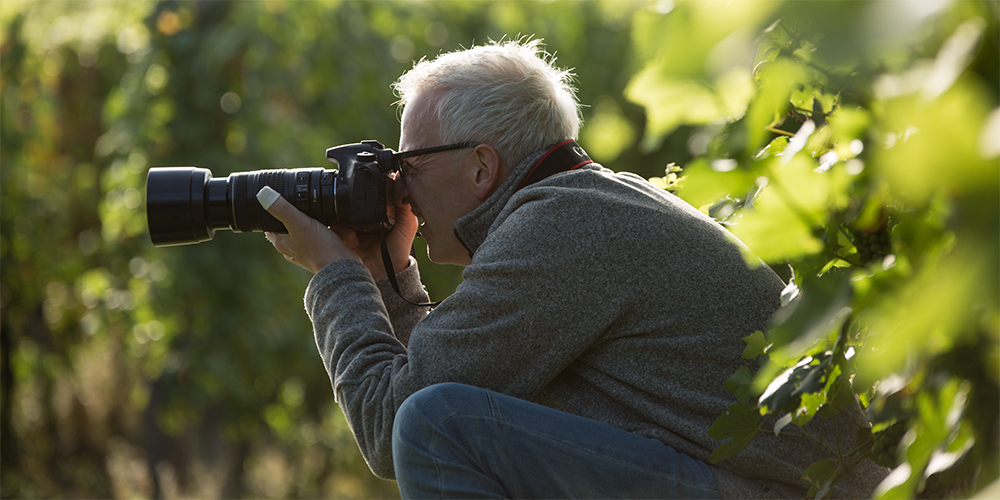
{"points": [[274, 204]]}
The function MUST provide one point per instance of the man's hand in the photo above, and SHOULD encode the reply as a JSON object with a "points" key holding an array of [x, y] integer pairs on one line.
{"points": [[308, 244], [399, 239], [312, 245]]}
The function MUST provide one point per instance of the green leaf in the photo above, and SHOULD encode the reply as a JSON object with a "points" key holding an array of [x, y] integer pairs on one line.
{"points": [[785, 392], [693, 73], [848, 124], [820, 476], [739, 424], [702, 186], [779, 226], [808, 406], [773, 148], [929, 313], [822, 305], [925, 136], [936, 429], [740, 384], [757, 345], [777, 80], [841, 395]]}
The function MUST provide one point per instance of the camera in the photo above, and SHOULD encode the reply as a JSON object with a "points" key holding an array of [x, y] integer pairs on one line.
{"points": [[186, 205]]}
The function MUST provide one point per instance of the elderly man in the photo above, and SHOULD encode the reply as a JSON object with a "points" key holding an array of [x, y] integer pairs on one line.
{"points": [[585, 352]]}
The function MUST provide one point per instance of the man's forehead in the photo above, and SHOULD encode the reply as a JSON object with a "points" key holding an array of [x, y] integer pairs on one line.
{"points": [[418, 128]]}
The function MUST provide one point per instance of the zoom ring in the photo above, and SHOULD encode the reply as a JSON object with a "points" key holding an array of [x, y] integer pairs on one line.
{"points": [[275, 179]]}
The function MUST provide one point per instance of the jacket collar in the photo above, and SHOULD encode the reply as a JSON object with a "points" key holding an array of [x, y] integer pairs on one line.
{"points": [[473, 228]]}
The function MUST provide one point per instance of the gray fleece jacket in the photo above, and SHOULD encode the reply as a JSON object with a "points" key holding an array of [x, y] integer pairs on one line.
{"points": [[591, 292]]}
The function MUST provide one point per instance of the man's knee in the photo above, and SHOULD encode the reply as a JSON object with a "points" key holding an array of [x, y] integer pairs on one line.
{"points": [[427, 411]]}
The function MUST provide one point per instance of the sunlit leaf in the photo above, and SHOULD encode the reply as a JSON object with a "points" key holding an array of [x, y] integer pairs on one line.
{"points": [[695, 72], [809, 405], [757, 345], [784, 393], [925, 316], [776, 80], [938, 415], [701, 185], [781, 423], [774, 232], [671, 102], [931, 145]]}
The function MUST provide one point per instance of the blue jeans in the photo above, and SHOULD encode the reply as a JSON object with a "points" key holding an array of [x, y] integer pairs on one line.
{"points": [[456, 441]]}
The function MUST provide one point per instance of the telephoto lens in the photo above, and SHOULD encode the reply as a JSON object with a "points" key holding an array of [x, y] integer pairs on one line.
{"points": [[186, 205]]}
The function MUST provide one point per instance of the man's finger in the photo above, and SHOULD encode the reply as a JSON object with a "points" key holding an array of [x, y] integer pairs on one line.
{"points": [[277, 206], [348, 236]]}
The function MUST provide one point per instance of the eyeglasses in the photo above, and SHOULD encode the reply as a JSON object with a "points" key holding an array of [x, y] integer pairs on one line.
{"points": [[399, 159]]}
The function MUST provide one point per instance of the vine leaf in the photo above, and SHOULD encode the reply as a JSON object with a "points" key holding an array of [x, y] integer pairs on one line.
{"points": [[739, 425], [820, 476], [740, 384], [785, 392], [808, 407], [822, 304], [757, 345]]}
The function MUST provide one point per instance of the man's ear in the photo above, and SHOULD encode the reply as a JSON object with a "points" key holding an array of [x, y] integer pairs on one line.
{"points": [[488, 171]]}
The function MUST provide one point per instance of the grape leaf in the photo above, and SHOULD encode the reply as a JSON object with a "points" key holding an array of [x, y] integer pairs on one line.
{"points": [[756, 345], [785, 392], [808, 406], [739, 424], [820, 476], [822, 305], [740, 384]]}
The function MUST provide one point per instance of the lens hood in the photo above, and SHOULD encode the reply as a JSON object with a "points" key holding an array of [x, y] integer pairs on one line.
{"points": [[177, 205]]}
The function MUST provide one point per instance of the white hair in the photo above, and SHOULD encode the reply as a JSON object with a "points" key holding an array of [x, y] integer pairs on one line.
{"points": [[506, 94]]}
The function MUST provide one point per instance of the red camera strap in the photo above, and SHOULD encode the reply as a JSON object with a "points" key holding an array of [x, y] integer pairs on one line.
{"points": [[563, 157]]}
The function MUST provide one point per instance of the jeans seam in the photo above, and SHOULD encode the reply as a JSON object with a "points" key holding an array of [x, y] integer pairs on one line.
{"points": [[438, 475], [494, 407], [528, 431]]}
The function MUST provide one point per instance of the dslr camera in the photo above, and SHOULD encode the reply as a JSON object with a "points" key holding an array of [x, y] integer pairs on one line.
{"points": [[186, 205]]}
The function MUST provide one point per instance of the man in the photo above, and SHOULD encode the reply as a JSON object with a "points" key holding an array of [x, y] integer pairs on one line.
{"points": [[585, 352]]}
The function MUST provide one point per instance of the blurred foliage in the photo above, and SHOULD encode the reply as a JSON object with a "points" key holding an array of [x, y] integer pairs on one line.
{"points": [[852, 145]]}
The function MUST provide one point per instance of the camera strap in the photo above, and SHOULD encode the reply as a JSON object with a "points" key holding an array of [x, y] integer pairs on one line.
{"points": [[563, 157], [391, 273]]}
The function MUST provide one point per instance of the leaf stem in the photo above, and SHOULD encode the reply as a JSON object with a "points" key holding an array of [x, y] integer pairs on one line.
{"points": [[779, 131]]}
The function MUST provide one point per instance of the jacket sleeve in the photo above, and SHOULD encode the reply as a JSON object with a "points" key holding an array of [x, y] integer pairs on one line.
{"points": [[404, 315], [366, 362]]}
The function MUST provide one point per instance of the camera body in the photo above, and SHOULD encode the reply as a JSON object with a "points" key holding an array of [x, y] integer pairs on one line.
{"points": [[186, 205]]}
